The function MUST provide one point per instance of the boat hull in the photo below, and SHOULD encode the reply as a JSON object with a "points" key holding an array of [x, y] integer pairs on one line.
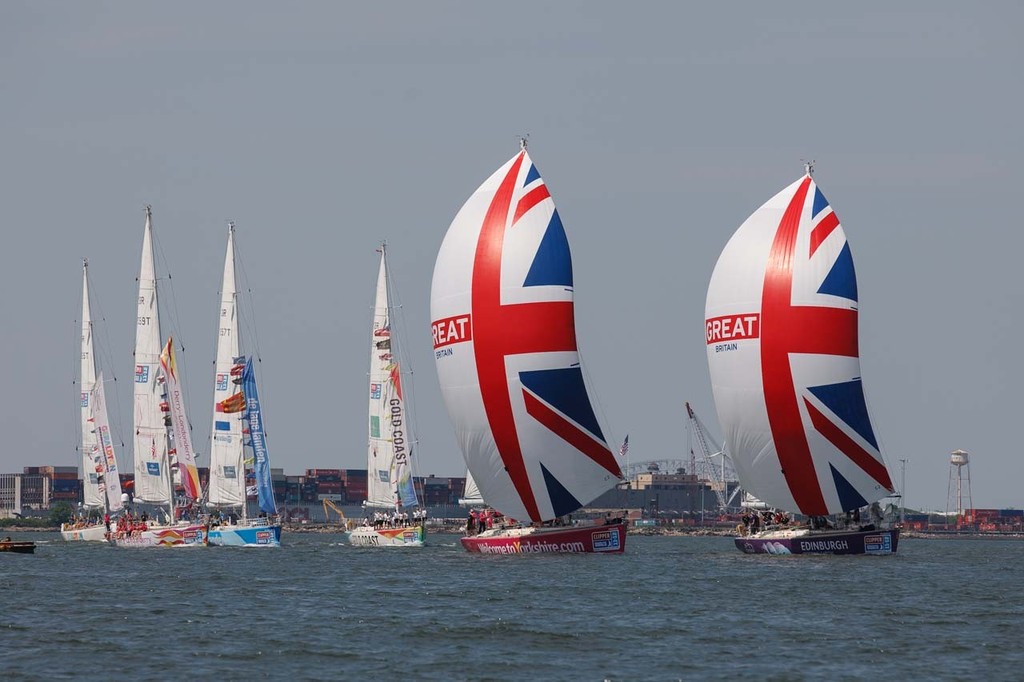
{"points": [[606, 539], [267, 535], [823, 542], [367, 536], [192, 535], [18, 547], [97, 533]]}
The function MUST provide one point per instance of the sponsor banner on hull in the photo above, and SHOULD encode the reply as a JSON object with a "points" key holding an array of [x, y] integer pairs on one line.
{"points": [[603, 540]]}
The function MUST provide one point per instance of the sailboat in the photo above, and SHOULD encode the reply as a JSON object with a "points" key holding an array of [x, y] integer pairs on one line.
{"points": [[782, 346], [237, 422], [100, 481], [510, 374], [159, 403], [392, 515]]}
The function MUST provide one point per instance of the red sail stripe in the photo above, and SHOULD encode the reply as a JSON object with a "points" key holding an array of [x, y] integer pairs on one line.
{"points": [[532, 198], [572, 435], [823, 230], [861, 457]]}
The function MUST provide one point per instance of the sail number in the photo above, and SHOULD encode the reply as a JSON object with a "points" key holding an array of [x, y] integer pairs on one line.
{"points": [[144, 320]]}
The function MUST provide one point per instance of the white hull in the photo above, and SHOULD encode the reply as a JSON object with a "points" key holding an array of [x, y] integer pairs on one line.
{"points": [[96, 533], [367, 536], [182, 535]]}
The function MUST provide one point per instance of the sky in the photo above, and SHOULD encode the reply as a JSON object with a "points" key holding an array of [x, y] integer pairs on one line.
{"points": [[323, 128]]}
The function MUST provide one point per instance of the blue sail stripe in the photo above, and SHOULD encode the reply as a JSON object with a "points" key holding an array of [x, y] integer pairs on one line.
{"points": [[846, 401], [841, 279], [552, 264], [565, 391], [562, 501], [849, 498], [820, 202]]}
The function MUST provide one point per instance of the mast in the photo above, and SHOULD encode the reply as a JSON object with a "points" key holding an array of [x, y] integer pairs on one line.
{"points": [[227, 462], [153, 481], [92, 495]]}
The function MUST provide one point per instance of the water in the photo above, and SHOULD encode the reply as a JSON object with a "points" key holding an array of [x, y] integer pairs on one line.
{"points": [[670, 608]]}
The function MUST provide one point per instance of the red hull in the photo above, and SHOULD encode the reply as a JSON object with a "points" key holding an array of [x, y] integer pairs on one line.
{"points": [[607, 539]]}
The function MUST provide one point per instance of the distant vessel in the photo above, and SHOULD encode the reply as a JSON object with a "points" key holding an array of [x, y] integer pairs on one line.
{"points": [[159, 404], [509, 369], [100, 481], [782, 346], [237, 423], [389, 490]]}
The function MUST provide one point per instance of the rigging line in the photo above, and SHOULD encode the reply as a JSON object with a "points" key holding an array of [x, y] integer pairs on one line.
{"points": [[247, 320], [175, 325], [106, 357]]}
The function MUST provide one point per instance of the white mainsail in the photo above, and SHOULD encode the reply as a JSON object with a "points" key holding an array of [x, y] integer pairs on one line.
{"points": [[152, 482], [92, 489], [227, 464], [389, 451]]}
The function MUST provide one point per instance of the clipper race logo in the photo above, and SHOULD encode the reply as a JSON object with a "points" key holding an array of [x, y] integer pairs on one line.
{"points": [[788, 330]]}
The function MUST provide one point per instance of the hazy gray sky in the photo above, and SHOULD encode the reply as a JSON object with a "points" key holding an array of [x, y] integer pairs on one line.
{"points": [[322, 128]]}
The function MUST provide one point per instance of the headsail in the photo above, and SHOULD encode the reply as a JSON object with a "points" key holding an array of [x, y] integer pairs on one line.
{"points": [[781, 332], [506, 352], [92, 489], [227, 466], [257, 440], [107, 459], [389, 455], [184, 454], [152, 482]]}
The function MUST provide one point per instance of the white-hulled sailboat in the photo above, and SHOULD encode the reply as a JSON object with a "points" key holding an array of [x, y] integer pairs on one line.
{"points": [[781, 333], [100, 481], [392, 514], [237, 423], [158, 405], [507, 361]]}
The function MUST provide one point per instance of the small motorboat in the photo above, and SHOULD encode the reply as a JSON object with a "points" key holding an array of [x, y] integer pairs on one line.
{"points": [[19, 547]]}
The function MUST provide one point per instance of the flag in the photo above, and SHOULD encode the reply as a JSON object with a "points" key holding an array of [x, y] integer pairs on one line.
{"points": [[625, 447], [233, 403]]}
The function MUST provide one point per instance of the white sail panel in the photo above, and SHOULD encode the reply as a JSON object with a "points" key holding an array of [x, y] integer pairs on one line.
{"points": [[92, 489], [506, 352], [152, 482], [781, 333], [227, 465], [389, 449]]}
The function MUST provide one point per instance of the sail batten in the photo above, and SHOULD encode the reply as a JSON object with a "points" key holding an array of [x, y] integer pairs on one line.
{"points": [[506, 351], [782, 346]]}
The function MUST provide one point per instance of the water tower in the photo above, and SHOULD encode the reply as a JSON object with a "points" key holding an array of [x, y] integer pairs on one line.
{"points": [[960, 470]]}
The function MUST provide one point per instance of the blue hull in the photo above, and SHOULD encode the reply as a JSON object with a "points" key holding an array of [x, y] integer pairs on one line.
{"points": [[824, 542], [246, 536]]}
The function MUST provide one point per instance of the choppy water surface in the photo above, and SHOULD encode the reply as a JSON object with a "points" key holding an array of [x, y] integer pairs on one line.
{"points": [[670, 608]]}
